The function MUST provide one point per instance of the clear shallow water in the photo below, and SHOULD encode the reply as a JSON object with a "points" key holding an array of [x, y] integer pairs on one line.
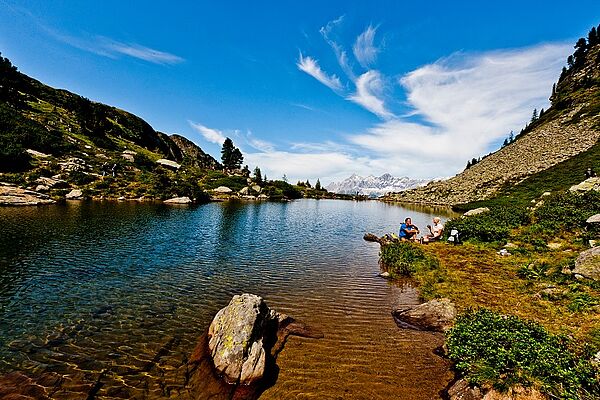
{"points": [[121, 291]]}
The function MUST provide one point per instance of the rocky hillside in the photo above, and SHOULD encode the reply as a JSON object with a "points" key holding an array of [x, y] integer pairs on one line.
{"points": [[54, 141], [570, 127], [373, 186]]}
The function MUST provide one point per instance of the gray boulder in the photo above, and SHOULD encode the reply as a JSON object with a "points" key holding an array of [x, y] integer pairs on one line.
{"points": [[436, 315], [476, 211], [594, 219], [178, 200], [74, 194], [236, 358], [587, 264]]}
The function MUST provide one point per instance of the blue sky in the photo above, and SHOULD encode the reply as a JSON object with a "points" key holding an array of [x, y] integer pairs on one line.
{"points": [[310, 89]]}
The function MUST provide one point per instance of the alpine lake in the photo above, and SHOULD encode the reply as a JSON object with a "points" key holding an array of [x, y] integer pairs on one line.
{"points": [[123, 290]]}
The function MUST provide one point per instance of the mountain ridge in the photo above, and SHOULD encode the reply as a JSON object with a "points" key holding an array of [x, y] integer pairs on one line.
{"points": [[373, 186]]}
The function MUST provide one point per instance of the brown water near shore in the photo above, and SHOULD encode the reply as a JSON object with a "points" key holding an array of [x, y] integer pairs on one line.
{"points": [[112, 297]]}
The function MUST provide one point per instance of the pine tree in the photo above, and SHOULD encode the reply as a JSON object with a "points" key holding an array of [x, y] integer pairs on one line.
{"points": [[308, 184], [257, 175], [469, 164], [511, 137], [231, 156], [505, 143], [542, 111], [534, 115], [285, 178], [581, 48], [570, 61], [593, 36], [318, 185], [246, 171]]}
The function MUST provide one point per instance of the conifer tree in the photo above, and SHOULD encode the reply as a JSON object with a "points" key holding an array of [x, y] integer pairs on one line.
{"points": [[318, 185], [231, 156], [308, 184], [534, 115], [257, 175]]}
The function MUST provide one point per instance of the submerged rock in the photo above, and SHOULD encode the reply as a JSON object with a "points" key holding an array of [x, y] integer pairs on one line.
{"points": [[436, 315], [587, 264]]}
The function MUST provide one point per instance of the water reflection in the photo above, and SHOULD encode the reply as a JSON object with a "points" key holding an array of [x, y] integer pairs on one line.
{"points": [[92, 287]]}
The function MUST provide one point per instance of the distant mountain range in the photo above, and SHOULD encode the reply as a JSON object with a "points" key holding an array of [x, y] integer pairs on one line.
{"points": [[374, 186]]}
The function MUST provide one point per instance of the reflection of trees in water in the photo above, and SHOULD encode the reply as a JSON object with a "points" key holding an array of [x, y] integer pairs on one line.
{"points": [[442, 211]]}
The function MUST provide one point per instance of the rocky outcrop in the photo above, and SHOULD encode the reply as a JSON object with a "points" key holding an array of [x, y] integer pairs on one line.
{"points": [[75, 194], [436, 315], [194, 154], [587, 185], [222, 189], [587, 264], [236, 358], [178, 200], [168, 163], [14, 196]]}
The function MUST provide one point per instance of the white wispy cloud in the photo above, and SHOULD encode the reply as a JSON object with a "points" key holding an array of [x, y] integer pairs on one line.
{"points": [[369, 94], [211, 135], [140, 52], [364, 48], [311, 67], [463, 104], [341, 55], [111, 48]]}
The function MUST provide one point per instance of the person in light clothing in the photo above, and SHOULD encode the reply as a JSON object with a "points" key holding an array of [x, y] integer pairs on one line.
{"points": [[435, 232]]}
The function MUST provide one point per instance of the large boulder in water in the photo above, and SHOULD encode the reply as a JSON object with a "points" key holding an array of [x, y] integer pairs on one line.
{"points": [[435, 315], [587, 264], [237, 337], [236, 358]]}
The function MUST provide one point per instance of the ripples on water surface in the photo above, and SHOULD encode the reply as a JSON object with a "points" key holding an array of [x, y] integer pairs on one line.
{"points": [[91, 287]]}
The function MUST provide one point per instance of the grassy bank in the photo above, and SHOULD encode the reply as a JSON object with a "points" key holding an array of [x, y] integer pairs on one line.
{"points": [[551, 313]]}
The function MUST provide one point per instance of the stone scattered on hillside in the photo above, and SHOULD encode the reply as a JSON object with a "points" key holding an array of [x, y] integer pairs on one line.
{"points": [[256, 188], [587, 185], [73, 164], [222, 189], [587, 264], [74, 194], [14, 196], [36, 153], [50, 182], [263, 197], [129, 155], [244, 191], [554, 245], [476, 211], [168, 163], [594, 219], [435, 315], [42, 188], [178, 200]]}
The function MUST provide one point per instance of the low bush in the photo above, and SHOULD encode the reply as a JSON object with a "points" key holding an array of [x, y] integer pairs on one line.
{"points": [[490, 349], [566, 210], [405, 258], [491, 226]]}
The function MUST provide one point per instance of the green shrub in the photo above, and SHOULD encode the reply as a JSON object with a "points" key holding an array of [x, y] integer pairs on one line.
{"points": [[566, 211], [503, 351], [490, 226], [405, 258]]}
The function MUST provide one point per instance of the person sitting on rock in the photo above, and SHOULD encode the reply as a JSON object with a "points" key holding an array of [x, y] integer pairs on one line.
{"points": [[435, 231], [408, 231]]}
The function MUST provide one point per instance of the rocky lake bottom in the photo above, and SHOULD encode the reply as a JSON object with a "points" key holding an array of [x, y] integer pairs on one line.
{"points": [[112, 297]]}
